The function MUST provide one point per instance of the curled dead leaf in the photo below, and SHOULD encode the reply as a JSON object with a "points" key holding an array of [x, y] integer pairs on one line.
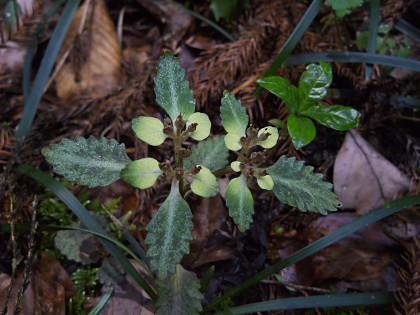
{"points": [[94, 63]]}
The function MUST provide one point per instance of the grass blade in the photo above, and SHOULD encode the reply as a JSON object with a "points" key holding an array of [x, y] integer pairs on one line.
{"points": [[336, 300], [408, 29], [30, 53], [98, 308], [44, 71], [354, 57], [373, 33], [216, 26], [348, 229], [293, 39], [84, 216]]}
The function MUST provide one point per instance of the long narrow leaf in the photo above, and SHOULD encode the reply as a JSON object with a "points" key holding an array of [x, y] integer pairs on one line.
{"points": [[101, 304], [44, 71], [408, 29], [373, 33], [30, 53], [338, 300], [346, 230], [90, 222], [354, 57], [293, 39], [216, 26]]}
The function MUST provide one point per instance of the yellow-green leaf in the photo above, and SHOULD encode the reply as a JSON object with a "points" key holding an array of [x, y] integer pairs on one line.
{"points": [[149, 129], [203, 126], [235, 166], [232, 141], [204, 183], [272, 138], [142, 173], [265, 182]]}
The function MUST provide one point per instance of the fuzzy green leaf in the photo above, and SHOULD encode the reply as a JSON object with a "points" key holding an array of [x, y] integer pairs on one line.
{"points": [[179, 294], [337, 117], [298, 186], [240, 202], [142, 173], [110, 272], [313, 84], [204, 183], [343, 8], [169, 234], [282, 88], [234, 119], [68, 242], [301, 130], [173, 92], [211, 153], [92, 162]]}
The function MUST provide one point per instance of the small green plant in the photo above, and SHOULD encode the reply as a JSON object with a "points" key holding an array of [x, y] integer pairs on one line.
{"points": [[85, 280], [342, 8], [302, 104], [100, 162]]}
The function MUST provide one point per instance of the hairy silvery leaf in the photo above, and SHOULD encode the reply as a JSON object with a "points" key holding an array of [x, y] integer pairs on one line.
{"points": [[240, 202], [211, 153], [313, 84], [204, 183], [282, 88], [234, 119], [179, 294], [301, 130], [298, 186], [337, 117], [92, 162], [172, 89], [110, 272], [169, 233]]}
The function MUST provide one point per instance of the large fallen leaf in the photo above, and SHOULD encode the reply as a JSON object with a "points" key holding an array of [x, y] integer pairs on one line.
{"points": [[93, 66], [363, 178], [50, 286]]}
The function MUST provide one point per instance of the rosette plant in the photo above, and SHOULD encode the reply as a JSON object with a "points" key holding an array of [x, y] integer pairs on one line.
{"points": [[100, 162]]}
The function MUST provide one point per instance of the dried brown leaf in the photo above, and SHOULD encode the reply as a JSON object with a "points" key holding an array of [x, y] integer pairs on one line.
{"points": [[93, 67]]}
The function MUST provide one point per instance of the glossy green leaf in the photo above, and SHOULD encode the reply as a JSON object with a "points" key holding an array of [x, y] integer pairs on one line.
{"points": [[92, 162], [234, 119], [142, 173], [211, 153], [173, 92], [272, 138], [204, 183], [338, 117], [282, 88], [149, 129], [179, 294], [313, 84], [343, 8], [298, 186], [301, 130], [240, 202], [169, 234], [203, 126], [278, 123], [228, 9]]}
